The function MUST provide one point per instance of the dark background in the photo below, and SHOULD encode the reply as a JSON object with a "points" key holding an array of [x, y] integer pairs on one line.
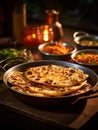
{"points": [[81, 14]]}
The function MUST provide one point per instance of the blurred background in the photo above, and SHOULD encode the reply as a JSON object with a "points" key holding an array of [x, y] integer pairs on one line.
{"points": [[81, 14]]}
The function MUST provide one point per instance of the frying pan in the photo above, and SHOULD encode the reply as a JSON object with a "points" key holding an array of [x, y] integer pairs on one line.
{"points": [[50, 101]]}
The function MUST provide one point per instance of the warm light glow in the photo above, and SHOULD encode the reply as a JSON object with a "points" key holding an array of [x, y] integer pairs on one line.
{"points": [[34, 35], [29, 38], [45, 36], [37, 35]]}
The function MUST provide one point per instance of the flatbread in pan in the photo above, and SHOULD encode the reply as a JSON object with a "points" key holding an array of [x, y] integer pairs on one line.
{"points": [[22, 82], [54, 75]]}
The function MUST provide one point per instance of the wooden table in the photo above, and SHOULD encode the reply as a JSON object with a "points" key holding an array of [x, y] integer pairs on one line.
{"points": [[66, 117], [16, 114]]}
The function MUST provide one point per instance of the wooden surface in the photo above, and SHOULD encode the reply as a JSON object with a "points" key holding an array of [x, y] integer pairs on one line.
{"points": [[76, 117], [69, 117]]}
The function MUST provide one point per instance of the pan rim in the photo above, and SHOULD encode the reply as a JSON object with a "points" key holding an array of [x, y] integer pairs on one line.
{"points": [[44, 62]]}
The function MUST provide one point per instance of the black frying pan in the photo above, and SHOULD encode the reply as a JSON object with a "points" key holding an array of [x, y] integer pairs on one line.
{"points": [[47, 101]]}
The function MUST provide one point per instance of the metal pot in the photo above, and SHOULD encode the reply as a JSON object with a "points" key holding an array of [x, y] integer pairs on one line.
{"points": [[81, 38], [51, 101]]}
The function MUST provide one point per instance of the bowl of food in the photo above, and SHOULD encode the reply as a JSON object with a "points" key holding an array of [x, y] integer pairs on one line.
{"points": [[86, 57], [56, 50], [84, 40], [7, 53]]}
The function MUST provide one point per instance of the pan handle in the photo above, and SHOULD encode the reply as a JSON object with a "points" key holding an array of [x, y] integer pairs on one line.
{"points": [[13, 58], [79, 33], [94, 95], [7, 62]]}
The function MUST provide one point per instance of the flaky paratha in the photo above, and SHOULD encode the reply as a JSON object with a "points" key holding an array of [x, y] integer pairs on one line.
{"points": [[17, 79], [54, 75], [21, 84], [54, 92]]}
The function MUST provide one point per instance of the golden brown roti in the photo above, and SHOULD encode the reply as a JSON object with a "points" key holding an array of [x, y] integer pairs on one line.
{"points": [[21, 84], [45, 91], [18, 79], [53, 75]]}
